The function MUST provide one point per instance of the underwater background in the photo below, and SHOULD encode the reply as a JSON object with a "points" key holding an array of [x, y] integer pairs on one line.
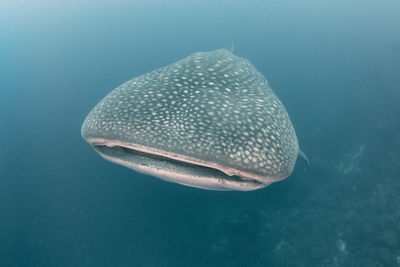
{"points": [[335, 65]]}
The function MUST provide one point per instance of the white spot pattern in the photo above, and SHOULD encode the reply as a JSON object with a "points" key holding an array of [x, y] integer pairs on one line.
{"points": [[213, 106]]}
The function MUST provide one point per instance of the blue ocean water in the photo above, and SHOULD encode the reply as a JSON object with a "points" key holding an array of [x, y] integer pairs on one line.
{"points": [[334, 64]]}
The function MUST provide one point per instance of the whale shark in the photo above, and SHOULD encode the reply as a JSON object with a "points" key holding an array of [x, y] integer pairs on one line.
{"points": [[209, 121]]}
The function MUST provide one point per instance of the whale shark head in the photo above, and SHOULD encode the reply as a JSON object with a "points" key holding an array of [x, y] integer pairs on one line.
{"points": [[209, 121]]}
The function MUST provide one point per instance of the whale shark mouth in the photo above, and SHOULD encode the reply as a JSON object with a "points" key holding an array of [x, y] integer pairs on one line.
{"points": [[173, 169]]}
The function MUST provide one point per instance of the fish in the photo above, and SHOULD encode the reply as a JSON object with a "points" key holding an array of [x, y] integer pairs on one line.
{"points": [[209, 121]]}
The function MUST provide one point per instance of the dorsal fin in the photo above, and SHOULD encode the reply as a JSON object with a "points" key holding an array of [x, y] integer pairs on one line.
{"points": [[232, 48]]}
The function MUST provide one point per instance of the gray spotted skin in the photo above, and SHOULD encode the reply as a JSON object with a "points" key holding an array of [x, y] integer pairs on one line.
{"points": [[211, 107]]}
